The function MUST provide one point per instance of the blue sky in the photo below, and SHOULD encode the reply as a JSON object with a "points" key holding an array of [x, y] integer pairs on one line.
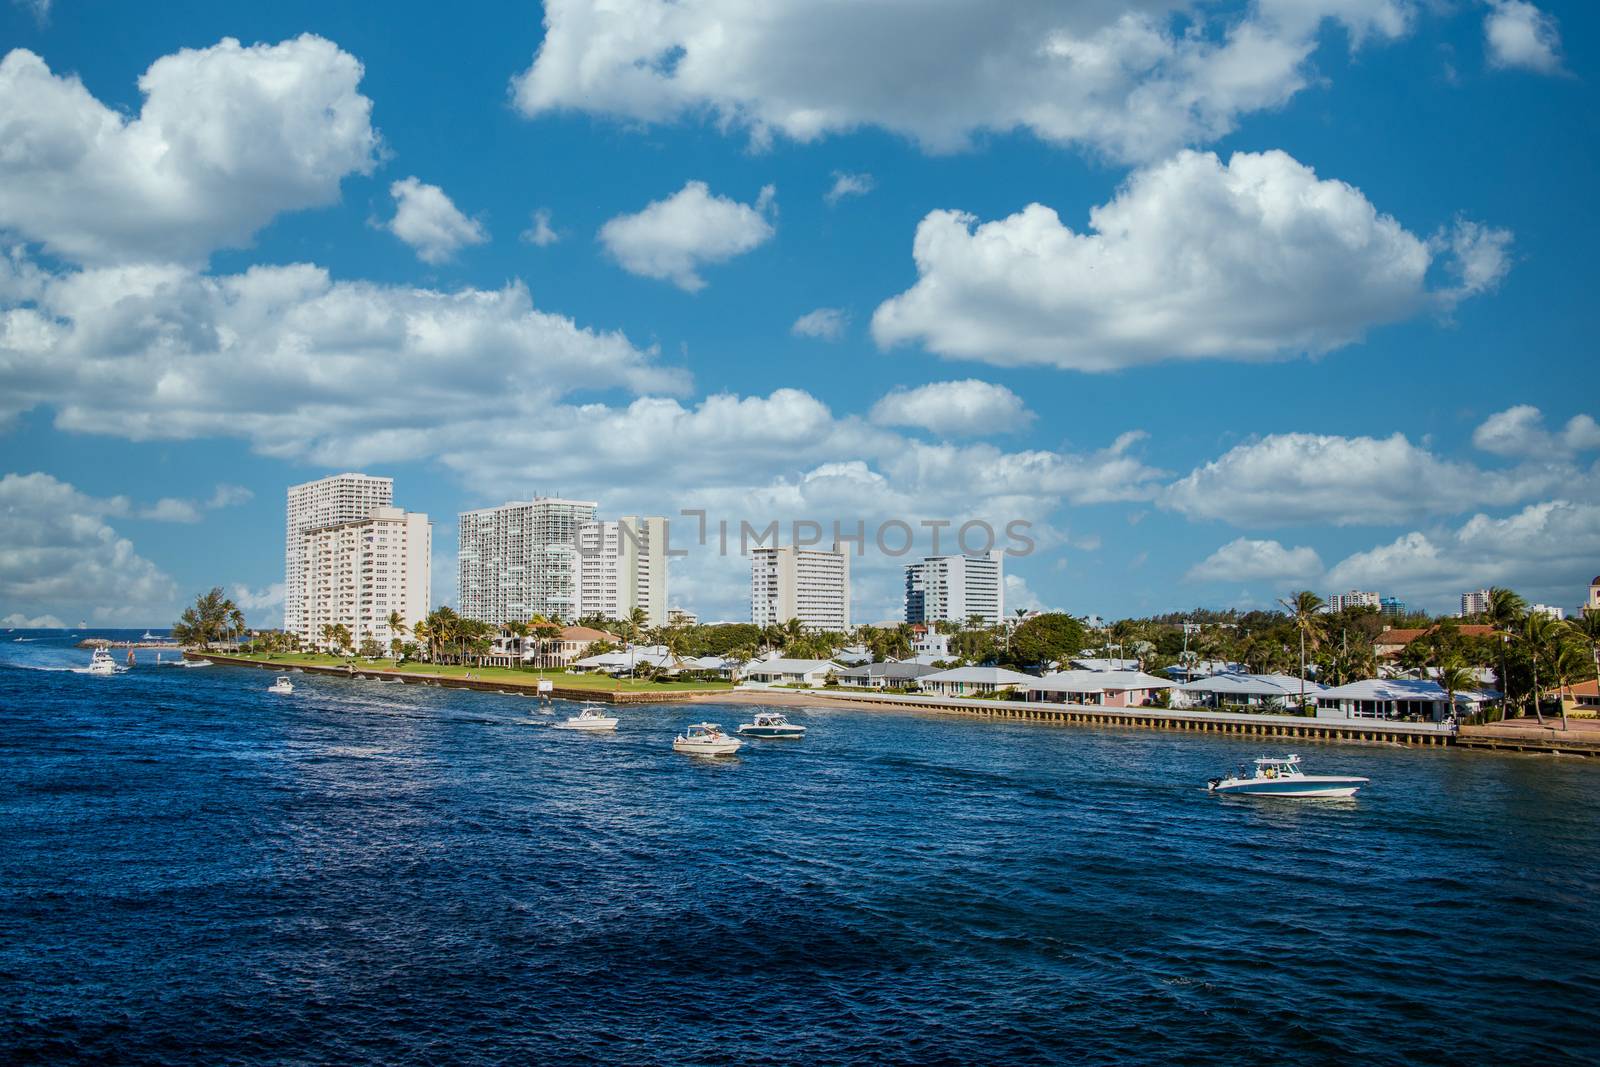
{"points": [[1317, 225]]}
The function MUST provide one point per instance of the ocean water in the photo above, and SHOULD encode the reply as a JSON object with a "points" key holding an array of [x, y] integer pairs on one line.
{"points": [[192, 869]]}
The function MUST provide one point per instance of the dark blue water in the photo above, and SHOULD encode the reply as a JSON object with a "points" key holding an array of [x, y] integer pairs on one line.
{"points": [[191, 869]]}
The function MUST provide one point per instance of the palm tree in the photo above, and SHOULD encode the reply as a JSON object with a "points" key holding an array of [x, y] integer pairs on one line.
{"points": [[1540, 636], [1571, 658], [1303, 608], [1455, 676], [1504, 613], [1587, 629]]}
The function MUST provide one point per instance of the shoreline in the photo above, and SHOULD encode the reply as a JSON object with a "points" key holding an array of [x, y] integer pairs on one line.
{"points": [[1517, 735]]}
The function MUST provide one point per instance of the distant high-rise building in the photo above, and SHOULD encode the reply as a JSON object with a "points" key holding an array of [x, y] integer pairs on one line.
{"points": [[1548, 610], [956, 588], [1354, 599], [356, 574], [1475, 602], [622, 565], [521, 559], [1594, 594], [1392, 607], [330, 501], [680, 617], [809, 584]]}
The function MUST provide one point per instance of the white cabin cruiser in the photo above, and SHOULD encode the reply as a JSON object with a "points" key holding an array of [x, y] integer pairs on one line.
{"points": [[706, 739], [772, 724], [591, 717], [1276, 776], [100, 663], [282, 685]]}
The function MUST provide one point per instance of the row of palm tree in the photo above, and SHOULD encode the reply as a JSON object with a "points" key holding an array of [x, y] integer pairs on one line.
{"points": [[213, 617]]}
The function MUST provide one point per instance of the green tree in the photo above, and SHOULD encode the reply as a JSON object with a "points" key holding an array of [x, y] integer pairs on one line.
{"points": [[1304, 610], [212, 617], [1052, 637], [1505, 612]]}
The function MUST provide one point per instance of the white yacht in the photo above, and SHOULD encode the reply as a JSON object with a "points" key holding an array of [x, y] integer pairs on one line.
{"points": [[282, 685], [100, 663], [591, 717], [148, 636], [706, 739], [772, 724], [1281, 776]]}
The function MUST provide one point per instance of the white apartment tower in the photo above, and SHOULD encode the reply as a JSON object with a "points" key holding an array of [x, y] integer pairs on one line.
{"points": [[622, 565], [329, 501], [358, 573], [955, 588], [1475, 602], [521, 559], [1355, 598], [809, 584]]}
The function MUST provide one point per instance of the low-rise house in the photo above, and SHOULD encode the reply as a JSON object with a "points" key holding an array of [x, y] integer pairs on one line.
{"points": [[1093, 663], [1397, 698], [812, 672], [1205, 668], [629, 660], [892, 675], [1111, 689], [974, 681], [1251, 690], [573, 644], [1580, 701], [1391, 642]]}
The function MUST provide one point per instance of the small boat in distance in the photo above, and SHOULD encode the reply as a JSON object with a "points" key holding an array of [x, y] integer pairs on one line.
{"points": [[282, 685], [1282, 776], [706, 739], [772, 724], [591, 717], [148, 636], [100, 663]]}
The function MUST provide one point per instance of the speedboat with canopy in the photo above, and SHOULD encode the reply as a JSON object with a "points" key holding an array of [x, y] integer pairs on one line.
{"points": [[1282, 776]]}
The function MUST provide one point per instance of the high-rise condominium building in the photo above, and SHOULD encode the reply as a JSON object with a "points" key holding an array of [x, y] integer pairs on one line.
{"points": [[809, 584], [1392, 607], [1475, 602], [521, 559], [1354, 599], [328, 501], [358, 573], [955, 588], [622, 565]]}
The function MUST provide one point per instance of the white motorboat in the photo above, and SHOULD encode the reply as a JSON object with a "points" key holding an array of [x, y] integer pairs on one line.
{"points": [[772, 724], [100, 663], [706, 739], [1282, 776], [591, 717], [148, 636], [282, 685]]}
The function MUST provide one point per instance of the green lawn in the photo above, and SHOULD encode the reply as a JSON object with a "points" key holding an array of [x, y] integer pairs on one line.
{"points": [[510, 675]]}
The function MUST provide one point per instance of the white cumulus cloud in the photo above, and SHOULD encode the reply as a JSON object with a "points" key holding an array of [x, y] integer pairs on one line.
{"points": [[227, 137], [1246, 559], [427, 220], [295, 362], [1546, 551], [1520, 431], [1518, 34], [1254, 259], [672, 238], [1132, 79], [955, 408], [825, 324], [1347, 481], [59, 557]]}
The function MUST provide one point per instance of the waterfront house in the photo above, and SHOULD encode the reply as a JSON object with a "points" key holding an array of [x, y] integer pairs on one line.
{"points": [[1397, 698], [1111, 689], [1250, 690], [1581, 701], [974, 681], [1205, 668], [812, 672], [892, 675], [1094, 663]]}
